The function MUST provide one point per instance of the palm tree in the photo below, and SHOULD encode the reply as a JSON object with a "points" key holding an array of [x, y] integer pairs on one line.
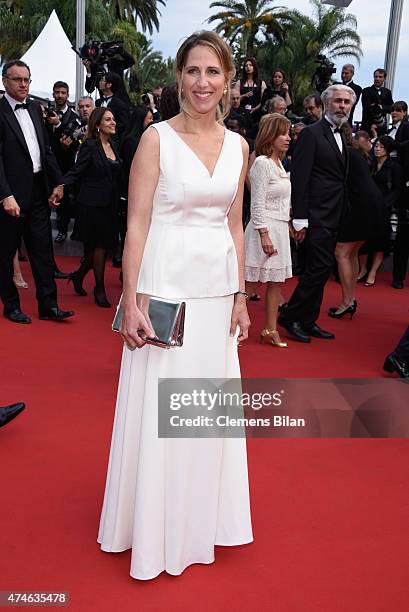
{"points": [[249, 18], [331, 32], [131, 10], [22, 21]]}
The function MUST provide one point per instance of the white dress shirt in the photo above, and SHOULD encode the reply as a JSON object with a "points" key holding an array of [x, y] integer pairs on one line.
{"points": [[106, 101], [29, 133]]}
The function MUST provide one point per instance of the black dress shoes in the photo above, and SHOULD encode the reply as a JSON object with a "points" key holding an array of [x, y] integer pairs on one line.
{"points": [[393, 364], [61, 236], [54, 314], [294, 330], [317, 332], [17, 316], [61, 275], [397, 284], [8, 413]]}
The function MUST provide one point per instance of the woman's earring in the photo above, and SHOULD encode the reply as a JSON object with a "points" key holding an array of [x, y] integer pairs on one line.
{"points": [[225, 90]]}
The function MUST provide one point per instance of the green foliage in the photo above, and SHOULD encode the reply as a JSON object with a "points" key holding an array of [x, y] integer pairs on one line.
{"points": [[21, 21], [295, 44], [146, 11], [242, 22]]}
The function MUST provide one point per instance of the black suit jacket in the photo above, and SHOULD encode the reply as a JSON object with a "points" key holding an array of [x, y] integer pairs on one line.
{"points": [[402, 133], [371, 96], [16, 167], [319, 177], [121, 113], [98, 185], [358, 91]]}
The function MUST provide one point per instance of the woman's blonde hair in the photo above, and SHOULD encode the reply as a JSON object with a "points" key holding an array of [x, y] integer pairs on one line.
{"points": [[222, 50], [271, 126]]}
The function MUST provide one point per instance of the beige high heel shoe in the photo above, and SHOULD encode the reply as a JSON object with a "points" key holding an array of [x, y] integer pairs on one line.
{"points": [[267, 335], [19, 281]]}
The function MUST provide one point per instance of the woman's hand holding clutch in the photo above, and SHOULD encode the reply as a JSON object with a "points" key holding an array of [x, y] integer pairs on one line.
{"points": [[240, 317], [134, 327]]}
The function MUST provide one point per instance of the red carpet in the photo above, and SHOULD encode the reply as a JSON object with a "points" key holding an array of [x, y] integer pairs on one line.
{"points": [[330, 517]]}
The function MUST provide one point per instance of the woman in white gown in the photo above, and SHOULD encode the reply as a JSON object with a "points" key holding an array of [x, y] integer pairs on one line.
{"points": [[172, 500], [267, 238]]}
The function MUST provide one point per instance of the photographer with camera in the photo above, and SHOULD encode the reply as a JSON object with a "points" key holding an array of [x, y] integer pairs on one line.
{"points": [[321, 79], [85, 108], [376, 104], [102, 57], [62, 123], [110, 87]]}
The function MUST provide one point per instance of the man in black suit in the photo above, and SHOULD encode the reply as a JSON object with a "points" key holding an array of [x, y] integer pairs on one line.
{"points": [[347, 76], [109, 85], [313, 109], [376, 104], [61, 124], [28, 170], [400, 124], [400, 132], [318, 184]]}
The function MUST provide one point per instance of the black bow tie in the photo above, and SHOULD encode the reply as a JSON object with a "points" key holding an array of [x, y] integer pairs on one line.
{"points": [[336, 130], [23, 105]]}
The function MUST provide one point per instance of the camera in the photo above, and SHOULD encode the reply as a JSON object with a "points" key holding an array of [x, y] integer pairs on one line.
{"points": [[99, 52], [379, 119], [71, 130], [321, 78], [51, 111]]}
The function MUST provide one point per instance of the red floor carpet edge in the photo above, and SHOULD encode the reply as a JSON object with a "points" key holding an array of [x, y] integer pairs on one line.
{"points": [[330, 517]]}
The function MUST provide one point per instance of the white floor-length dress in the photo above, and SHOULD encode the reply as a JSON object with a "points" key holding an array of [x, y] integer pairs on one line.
{"points": [[172, 500]]}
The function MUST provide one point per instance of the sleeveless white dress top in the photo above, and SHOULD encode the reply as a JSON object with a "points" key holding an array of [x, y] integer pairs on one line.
{"points": [[172, 500], [189, 250]]}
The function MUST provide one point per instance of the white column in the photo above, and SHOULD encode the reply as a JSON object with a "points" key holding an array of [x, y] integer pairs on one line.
{"points": [[79, 41], [392, 43]]}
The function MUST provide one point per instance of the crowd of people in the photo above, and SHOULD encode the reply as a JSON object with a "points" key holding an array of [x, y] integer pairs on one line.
{"points": [[85, 156], [160, 186]]}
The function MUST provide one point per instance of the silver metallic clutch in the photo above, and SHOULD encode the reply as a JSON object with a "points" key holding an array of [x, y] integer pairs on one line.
{"points": [[167, 319]]}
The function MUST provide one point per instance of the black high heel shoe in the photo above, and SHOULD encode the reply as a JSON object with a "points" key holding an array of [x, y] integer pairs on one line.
{"points": [[101, 300], [349, 310], [77, 284]]}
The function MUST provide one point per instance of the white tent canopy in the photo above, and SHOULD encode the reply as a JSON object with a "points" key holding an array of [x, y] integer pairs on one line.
{"points": [[51, 59]]}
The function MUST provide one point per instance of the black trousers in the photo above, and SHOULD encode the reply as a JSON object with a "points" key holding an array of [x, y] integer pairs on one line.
{"points": [[35, 227], [402, 349], [401, 252], [305, 303]]}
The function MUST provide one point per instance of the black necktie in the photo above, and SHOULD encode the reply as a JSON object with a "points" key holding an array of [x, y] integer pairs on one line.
{"points": [[23, 105]]}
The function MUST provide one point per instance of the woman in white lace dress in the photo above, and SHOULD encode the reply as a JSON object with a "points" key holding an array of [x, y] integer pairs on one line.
{"points": [[267, 239]]}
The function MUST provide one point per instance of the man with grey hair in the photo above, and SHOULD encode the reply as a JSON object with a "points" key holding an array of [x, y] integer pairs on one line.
{"points": [[276, 105], [318, 183], [347, 75]]}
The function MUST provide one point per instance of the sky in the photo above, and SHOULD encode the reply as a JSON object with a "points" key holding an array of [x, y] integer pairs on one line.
{"points": [[182, 17]]}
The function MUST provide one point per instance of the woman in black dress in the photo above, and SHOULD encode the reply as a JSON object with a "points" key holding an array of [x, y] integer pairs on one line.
{"points": [[387, 174], [97, 169], [357, 225], [278, 87], [251, 90]]}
